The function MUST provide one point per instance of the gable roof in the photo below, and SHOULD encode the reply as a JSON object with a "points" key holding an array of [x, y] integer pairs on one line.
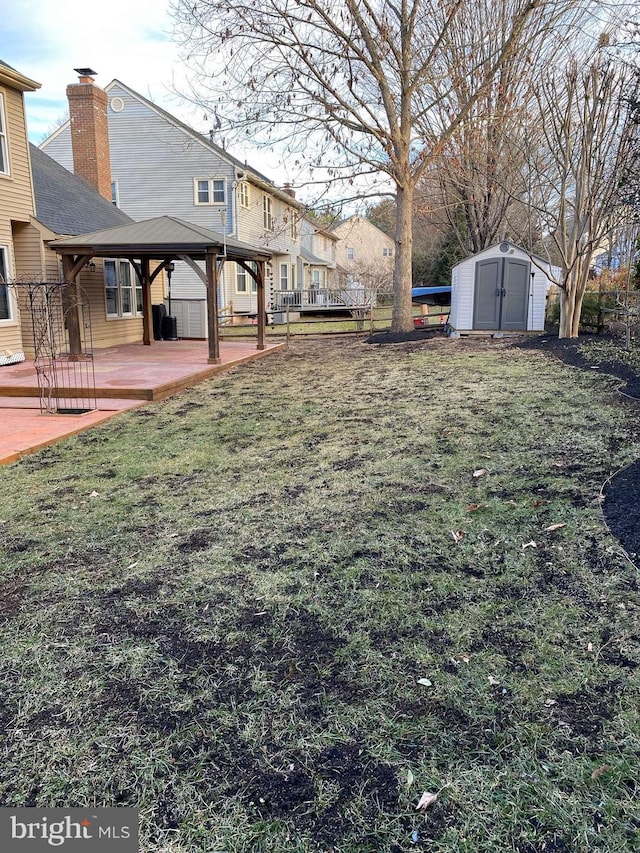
{"points": [[65, 202], [357, 219], [199, 137], [261, 180]]}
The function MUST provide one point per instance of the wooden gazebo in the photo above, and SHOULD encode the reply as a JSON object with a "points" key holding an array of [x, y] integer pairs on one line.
{"points": [[165, 239]]}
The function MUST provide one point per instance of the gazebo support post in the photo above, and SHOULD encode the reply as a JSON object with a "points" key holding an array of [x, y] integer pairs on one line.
{"points": [[147, 312], [73, 311], [212, 307], [261, 304]]}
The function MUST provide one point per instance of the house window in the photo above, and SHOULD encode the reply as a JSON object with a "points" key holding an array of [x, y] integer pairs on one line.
{"points": [[267, 212], [244, 280], [315, 279], [386, 252], [351, 253], [284, 276], [115, 194], [209, 190], [123, 298], [5, 296], [244, 194], [4, 148]]}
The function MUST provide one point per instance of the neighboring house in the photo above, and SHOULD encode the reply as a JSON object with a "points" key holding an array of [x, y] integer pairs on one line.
{"points": [[17, 206], [364, 253], [160, 166], [318, 252]]}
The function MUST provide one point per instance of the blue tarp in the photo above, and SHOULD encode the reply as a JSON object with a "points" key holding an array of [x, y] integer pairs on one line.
{"points": [[431, 295]]}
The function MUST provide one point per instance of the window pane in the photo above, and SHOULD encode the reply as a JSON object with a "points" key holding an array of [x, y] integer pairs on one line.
{"points": [[125, 274], [203, 192], [5, 313], [241, 279], [218, 192], [267, 216], [110, 274], [139, 300], [284, 277], [112, 300], [111, 287]]}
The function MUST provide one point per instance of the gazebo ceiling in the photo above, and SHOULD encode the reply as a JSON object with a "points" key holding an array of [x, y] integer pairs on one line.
{"points": [[158, 239]]}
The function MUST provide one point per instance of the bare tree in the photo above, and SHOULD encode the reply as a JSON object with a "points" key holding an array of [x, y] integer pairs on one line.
{"points": [[589, 113], [354, 87]]}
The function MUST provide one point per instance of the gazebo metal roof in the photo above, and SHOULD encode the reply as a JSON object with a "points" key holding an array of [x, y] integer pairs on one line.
{"points": [[158, 239]]}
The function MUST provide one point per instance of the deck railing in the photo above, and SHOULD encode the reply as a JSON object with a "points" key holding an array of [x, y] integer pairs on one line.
{"points": [[324, 299]]}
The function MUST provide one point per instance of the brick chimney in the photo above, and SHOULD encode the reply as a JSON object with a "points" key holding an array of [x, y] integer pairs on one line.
{"points": [[90, 131]]}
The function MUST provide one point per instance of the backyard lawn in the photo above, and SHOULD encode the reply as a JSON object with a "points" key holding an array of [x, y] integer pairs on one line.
{"points": [[273, 611]]}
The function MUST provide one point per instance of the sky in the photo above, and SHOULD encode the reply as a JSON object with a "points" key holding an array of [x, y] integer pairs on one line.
{"points": [[125, 39]]}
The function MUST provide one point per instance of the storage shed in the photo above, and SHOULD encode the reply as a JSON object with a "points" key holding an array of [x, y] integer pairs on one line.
{"points": [[501, 289]]}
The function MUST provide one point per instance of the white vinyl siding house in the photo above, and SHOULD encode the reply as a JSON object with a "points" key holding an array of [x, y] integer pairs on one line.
{"points": [[162, 167]]}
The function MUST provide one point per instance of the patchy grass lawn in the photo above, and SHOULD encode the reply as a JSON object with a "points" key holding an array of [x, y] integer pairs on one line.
{"points": [[274, 610]]}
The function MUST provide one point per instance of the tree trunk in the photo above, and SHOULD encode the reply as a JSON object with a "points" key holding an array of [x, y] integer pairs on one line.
{"points": [[401, 317], [567, 312]]}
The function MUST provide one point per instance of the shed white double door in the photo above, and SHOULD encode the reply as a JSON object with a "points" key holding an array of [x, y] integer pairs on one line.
{"points": [[501, 294]]}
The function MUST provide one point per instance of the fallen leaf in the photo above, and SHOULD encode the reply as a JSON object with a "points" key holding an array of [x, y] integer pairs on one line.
{"points": [[94, 494], [550, 702], [530, 544], [426, 800], [552, 527], [589, 647], [538, 503], [457, 535], [602, 769], [425, 682], [410, 778], [473, 507], [493, 681], [479, 472], [511, 502]]}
